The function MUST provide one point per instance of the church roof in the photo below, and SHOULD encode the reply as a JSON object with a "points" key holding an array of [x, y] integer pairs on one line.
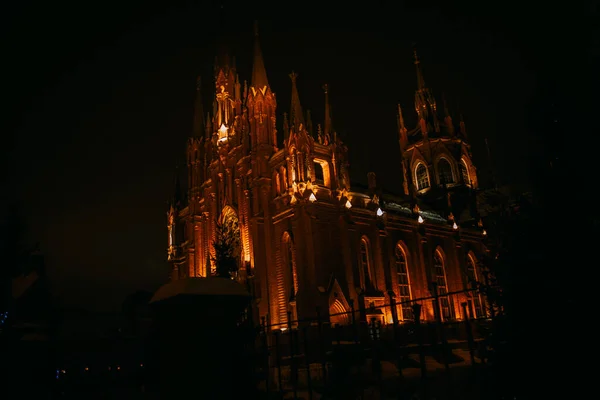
{"points": [[200, 287]]}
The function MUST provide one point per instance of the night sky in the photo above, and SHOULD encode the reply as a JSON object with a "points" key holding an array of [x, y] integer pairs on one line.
{"points": [[101, 106]]}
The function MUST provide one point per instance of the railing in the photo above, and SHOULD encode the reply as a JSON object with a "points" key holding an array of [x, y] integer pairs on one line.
{"points": [[313, 354]]}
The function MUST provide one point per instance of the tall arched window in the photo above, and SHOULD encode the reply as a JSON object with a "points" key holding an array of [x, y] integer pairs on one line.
{"points": [[422, 177], [287, 281], [289, 262], [472, 277], [365, 264], [403, 284], [439, 277], [276, 184], [445, 172], [464, 172]]}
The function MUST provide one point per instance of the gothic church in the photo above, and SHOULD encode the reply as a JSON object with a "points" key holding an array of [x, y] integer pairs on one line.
{"points": [[307, 237]]}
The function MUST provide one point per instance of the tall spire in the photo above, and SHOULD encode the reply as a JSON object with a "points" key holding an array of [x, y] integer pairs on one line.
{"points": [[328, 127], [199, 125], [420, 80], [259, 74], [296, 115], [309, 124]]}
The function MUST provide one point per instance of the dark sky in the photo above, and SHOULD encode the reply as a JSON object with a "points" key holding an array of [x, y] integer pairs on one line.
{"points": [[101, 104]]}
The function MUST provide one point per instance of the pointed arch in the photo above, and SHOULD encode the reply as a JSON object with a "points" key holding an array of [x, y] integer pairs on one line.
{"points": [[445, 171], [473, 278], [338, 314], [275, 181], [286, 279], [440, 278], [421, 176], [365, 264], [464, 172], [284, 178], [404, 282]]}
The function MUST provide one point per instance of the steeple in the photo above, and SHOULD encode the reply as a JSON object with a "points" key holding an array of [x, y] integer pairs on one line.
{"points": [[420, 80], [262, 106], [403, 139], [309, 124], [259, 74], [402, 131], [425, 104], [296, 115], [328, 127], [199, 125]]}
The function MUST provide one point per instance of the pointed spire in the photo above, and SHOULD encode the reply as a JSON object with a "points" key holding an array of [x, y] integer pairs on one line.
{"points": [[286, 127], [309, 123], [259, 74], [328, 127], [296, 116], [401, 125], [198, 125], [420, 80], [447, 117]]}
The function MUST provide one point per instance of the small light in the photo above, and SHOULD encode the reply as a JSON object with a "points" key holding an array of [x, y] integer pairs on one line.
{"points": [[420, 219], [454, 226], [118, 368], [312, 198], [484, 232], [348, 204], [87, 369], [141, 365], [379, 212]]}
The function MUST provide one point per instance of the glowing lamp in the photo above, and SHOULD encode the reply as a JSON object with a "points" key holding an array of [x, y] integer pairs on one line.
{"points": [[312, 198], [454, 226], [379, 212], [222, 133], [348, 204], [484, 232], [420, 219]]}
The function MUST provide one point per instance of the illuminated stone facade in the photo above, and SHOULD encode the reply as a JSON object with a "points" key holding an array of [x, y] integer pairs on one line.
{"points": [[308, 238]]}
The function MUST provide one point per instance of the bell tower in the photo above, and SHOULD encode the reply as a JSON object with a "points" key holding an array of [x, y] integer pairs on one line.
{"points": [[438, 171]]}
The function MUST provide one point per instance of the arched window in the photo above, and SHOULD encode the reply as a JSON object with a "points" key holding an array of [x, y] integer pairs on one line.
{"points": [[403, 284], [445, 172], [464, 172], [276, 184], [365, 264], [439, 277], [422, 177], [472, 278], [289, 258], [286, 281], [283, 175]]}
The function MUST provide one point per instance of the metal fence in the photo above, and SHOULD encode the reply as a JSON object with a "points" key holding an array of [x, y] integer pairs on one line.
{"points": [[308, 356]]}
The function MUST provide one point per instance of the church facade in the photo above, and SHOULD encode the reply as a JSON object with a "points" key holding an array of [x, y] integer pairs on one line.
{"points": [[307, 238]]}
